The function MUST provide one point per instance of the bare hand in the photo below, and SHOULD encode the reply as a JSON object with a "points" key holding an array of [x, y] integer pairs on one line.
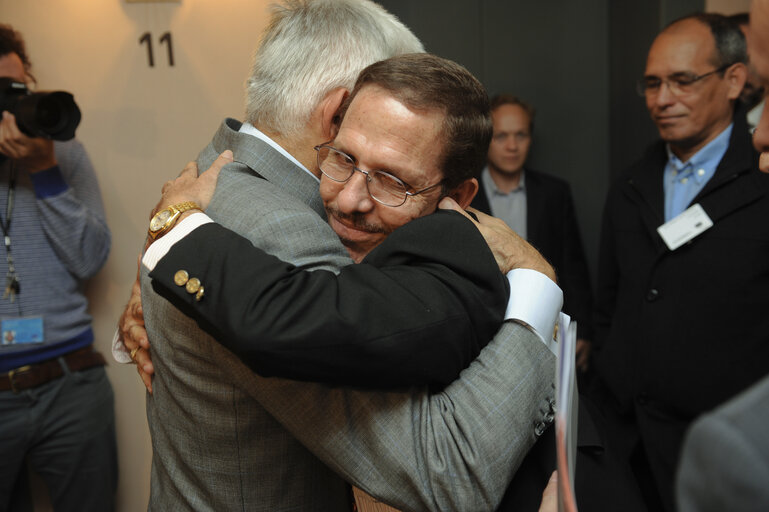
{"points": [[763, 162], [33, 154], [582, 351], [188, 186], [510, 250], [133, 335], [550, 495]]}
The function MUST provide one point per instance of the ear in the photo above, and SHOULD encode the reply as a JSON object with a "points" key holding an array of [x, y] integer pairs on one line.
{"points": [[329, 106], [464, 193], [735, 76]]}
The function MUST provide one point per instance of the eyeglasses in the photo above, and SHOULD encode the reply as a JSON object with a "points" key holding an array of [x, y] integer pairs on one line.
{"points": [[382, 186], [678, 83]]}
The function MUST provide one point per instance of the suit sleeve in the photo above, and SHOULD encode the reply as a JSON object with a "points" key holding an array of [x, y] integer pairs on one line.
{"points": [[721, 469], [417, 310], [417, 450]]}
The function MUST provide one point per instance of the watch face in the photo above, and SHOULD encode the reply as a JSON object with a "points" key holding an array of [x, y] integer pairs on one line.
{"points": [[160, 219]]}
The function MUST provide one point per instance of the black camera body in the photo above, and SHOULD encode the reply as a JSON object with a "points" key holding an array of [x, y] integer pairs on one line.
{"points": [[49, 114]]}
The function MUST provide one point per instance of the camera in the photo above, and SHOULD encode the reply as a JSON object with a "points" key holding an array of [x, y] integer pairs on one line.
{"points": [[49, 114]]}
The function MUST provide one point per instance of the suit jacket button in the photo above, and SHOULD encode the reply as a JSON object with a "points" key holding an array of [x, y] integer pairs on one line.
{"points": [[193, 285], [540, 428], [181, 277], [652, 295]]}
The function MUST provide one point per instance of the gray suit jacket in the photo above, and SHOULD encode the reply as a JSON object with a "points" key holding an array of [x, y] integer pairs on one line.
{"points": [[725, 459], [216, 448]]}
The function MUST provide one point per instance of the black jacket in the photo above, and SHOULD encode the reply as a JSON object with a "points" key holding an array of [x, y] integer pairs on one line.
{"points": [[551, 226]]}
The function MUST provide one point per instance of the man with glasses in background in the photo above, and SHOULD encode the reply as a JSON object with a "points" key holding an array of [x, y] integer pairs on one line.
{"points": [[683, 280]]}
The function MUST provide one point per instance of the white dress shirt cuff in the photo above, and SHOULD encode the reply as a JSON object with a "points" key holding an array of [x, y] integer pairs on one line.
{"points": [[119, 352], [161, 246], [154, 253], [535, 300]]}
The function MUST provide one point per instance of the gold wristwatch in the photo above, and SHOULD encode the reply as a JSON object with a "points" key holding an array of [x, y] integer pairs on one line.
{"points": [[166, 218]]}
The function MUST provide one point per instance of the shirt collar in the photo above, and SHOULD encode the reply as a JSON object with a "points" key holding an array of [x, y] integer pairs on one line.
{"points": [[250, 129], [702, 165], [491, 186]]}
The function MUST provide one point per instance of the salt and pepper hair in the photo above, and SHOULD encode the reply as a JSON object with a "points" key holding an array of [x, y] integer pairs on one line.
{"points": [[311, 47], [730, 41], [428, 83]]}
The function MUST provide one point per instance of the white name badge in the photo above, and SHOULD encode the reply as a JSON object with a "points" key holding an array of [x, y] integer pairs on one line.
{"points": [[22, 330], [689, 224]]}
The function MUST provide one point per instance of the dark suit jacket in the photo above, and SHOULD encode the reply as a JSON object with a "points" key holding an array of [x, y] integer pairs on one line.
{"points": [[428, 300], [679, 332], [551, 225], [603, 481]]}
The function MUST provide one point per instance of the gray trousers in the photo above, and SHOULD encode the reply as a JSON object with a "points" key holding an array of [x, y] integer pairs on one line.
{"points": [[65, 431]]}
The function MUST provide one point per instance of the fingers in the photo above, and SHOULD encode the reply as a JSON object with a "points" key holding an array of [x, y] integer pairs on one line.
{"points": [[190, 170], [550, 495], [448, 203], [143, 360], [582, 351], [223, 159], [12, 141], [763, 162], [146, 379]]}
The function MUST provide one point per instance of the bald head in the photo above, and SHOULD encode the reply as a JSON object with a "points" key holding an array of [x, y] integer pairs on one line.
{"points": [[694, 73]]}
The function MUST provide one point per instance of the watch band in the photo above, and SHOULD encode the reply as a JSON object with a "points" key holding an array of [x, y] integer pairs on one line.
{"points": [[173, 213]]}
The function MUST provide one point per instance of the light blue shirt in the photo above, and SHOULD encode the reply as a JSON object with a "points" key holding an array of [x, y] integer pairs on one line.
{"points": [[682, 181], [510, 207]]}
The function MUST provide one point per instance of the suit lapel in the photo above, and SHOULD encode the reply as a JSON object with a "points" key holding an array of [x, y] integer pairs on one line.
{"points": [[724, 193], [273, 166], [535, 204], [645, 187]]}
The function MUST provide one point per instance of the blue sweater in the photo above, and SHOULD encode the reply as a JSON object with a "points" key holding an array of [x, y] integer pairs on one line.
{"points": [[59, 238]]}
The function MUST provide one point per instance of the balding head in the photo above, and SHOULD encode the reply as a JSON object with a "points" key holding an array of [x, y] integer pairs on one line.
{"points": [[694, 73]]}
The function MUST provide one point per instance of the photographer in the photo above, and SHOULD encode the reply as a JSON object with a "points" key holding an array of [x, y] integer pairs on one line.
{"points": [[56, 403]]}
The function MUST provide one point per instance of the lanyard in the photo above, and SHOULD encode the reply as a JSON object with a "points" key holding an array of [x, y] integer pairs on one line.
{"points": [[12, 286]]}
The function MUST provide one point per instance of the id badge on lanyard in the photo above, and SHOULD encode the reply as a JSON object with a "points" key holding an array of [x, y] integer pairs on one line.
{"points": [[27, 329]]}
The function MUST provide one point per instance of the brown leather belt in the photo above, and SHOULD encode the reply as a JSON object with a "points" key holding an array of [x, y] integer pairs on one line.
{"points": [[33, 375]]}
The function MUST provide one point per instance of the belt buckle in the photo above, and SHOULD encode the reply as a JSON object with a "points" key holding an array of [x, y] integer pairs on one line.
{"points": [[14, 372]]}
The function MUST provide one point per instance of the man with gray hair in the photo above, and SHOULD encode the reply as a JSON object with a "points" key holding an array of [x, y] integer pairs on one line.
{"points": [[217, 448], [683, 282]]}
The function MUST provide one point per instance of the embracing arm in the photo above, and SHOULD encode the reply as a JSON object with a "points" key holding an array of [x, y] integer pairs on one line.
{"points": [[417, 310], [422, 451]]}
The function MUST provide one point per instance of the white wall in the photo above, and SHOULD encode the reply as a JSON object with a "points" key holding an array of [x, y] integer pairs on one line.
{"points": [[140, 126]]}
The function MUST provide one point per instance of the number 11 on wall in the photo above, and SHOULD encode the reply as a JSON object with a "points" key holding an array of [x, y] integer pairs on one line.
{"points": [[146, 38]]}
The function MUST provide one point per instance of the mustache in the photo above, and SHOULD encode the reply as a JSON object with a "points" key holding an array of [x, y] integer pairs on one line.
{"points": [[357, 220]]}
